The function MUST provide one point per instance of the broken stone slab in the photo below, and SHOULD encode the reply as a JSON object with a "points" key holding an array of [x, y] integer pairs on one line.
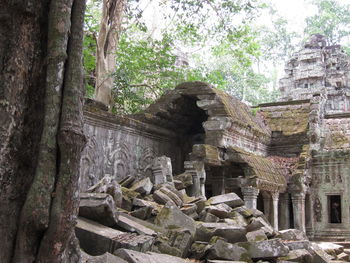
{"points": [[343, 256], [185, 178], [179, 185], [162, 198], [127, 181], [227, 251], [142, 213], [199, 249], [199, 202], [99, 207], [244, 211], [266, 249], [171, 217], [237, 220], [131, 225], [128, 196], [170, 192], [162, 171], [257, 235], [137, 257], [318, 254], [299, 255], [292, 234], [97, 239], [110, 186], [260, 223], [231, 199], [331, 248], [294, 245], [209, 218], [189, 209], [143, 186], [105, 258], [224, 261], [233, 234], [220, 210], [174, 242]]}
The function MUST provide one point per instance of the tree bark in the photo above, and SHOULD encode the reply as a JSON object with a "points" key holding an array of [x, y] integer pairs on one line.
{"points": [[41, 124], [107, 43]]}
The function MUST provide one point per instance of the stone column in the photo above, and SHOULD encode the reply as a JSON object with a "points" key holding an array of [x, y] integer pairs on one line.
{"points": [[298, 200], [267, 205], [250, 196], [284, 214], [196, 169], [275, 196]]}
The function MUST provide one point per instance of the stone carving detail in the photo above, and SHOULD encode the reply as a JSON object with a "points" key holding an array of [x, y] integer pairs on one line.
{"points": [[88, 162], [318, 209], [145, 161], [118, 160]]}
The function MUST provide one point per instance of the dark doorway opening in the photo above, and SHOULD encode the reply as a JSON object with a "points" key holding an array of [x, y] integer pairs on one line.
{"points": [[291, 214], [334, 209]]}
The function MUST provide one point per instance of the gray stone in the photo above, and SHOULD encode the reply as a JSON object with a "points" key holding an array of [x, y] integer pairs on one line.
{"points": [[96, 239], [162, 171], [294, 245], [236, 219], [266, 249], [110, 186], [220, 210], [257, 235], [179, 185], [224, 261], [292, 234], [127, 181], [209, 218], [143, 187], [173, 194], [185, 179], [199, 202], [162, 198], [137, 257], [227, 251], [343, 256], [205, 231], [231, 199], [299, 255], [260, 223], [189, 209], [318, 254], [131, 225], [142, 213], [174, 242], [199, 249], [99, 207], [105, 258], [171, 217]]}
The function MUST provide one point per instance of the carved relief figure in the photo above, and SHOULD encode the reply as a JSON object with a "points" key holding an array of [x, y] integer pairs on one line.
{"points": [[318, 209]]}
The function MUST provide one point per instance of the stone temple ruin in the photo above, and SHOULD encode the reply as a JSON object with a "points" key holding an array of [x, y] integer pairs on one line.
{"points": [[289, 159]]}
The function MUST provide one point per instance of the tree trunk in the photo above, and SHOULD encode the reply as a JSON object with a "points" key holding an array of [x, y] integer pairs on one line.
{"points": [[107, 43], [41, 123]]}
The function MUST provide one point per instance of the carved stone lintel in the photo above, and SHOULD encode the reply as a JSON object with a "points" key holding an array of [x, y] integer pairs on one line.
{"points": [[250, 195]]}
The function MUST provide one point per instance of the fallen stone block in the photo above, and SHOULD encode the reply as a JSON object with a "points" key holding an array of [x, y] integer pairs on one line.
{"points": [[257, 235], [227, 251], [174, 242], [331, 248], [137, 257], [162, 198], [179, 185], [299, 255], [231, 199], [220, 210], [233, 234], [99, 207], [142, 213], [199, 249], [224, 261], [236, 219], [97, 239], [343, 256], [108, 185], [318, 254], [266, 249], [294, 245], [171, 217], [143, 187], [174, 196], [260, 223], [292, 234], [185, 179], [189, 209], [105, 258], [199, 202], [133, 226], [127, 181], [209, 218]]}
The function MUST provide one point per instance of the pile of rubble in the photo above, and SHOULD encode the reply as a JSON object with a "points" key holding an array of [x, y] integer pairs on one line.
{"points": [[153, 220]]}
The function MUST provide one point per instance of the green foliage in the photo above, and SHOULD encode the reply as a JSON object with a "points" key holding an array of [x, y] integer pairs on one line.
{"points": [[332, 20]]}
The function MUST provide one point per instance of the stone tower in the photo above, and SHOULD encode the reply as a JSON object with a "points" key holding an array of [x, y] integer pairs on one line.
{"points": [[318, 69]]}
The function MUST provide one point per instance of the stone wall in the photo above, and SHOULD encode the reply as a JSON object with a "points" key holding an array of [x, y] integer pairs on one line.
{"points": [[120, 146]]}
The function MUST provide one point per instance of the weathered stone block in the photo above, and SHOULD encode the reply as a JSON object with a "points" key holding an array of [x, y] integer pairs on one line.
{"points": [[96, 239], [231, 199], [299, 255], [185, 179], [99, 207], [137, 257], [220, 210], [143, 187], [266, 249], [105, 258], [292, 234], [257, 235], [171, 217], [227, 251], [162, 171], [133, 226], [205, 231]]}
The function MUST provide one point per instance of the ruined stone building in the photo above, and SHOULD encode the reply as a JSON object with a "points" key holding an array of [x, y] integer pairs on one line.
{"points": [[288, 158]]}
